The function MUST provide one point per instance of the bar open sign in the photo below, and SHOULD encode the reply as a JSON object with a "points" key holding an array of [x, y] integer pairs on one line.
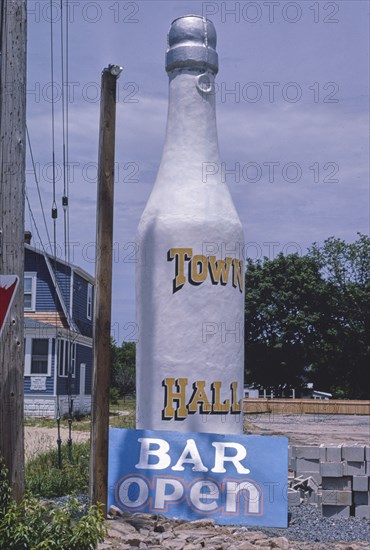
{"points": [[236, 480]]}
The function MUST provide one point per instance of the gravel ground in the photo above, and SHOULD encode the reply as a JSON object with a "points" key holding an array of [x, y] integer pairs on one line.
{"points": [[307, 524]]}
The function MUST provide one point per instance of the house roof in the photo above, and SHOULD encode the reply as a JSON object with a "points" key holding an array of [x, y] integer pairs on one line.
{"points": [[84, 274], [53, 318], [42, 328], [34, 324]]}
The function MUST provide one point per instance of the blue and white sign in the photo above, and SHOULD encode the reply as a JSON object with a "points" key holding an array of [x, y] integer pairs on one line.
{"points": [[236, 480]]}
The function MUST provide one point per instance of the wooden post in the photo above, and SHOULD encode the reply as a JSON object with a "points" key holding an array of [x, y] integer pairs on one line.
{"points": [[12, 185], [103, 291]]}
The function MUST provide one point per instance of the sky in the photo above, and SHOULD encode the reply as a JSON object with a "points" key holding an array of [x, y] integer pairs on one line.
{"points": [[292, 113]]}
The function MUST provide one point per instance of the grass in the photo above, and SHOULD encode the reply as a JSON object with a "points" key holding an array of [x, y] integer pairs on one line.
{"points": [[79, 425], [45, 479], [33, 524], [121, 415]]}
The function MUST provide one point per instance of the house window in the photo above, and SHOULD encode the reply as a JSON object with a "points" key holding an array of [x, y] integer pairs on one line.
{"points": [[29, 291], [37, 356], [66, 358], [40, 356], [89, 301]]}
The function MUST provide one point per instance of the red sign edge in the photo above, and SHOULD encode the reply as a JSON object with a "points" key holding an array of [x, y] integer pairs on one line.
{"points": [[10, 303]]}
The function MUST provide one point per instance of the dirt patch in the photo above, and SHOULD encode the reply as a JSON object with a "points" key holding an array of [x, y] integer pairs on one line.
{"points": [[312, 429], [39, 440]]}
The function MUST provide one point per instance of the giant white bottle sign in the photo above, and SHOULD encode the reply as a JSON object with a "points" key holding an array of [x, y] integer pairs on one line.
{"points": [[190, 274]]}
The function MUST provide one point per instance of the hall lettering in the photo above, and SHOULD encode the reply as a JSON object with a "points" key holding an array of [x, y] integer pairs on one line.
{"points": [[202, 401]]}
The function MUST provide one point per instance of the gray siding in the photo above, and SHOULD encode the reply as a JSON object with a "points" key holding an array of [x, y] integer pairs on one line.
{"points": [[63, 277], [80, 306], [46, 297], [45, 293], [83, 355]]}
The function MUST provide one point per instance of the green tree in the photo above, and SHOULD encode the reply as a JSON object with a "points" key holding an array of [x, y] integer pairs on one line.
{"points": [[308, 318], [123, 367], [344, 361], [283, 323]]}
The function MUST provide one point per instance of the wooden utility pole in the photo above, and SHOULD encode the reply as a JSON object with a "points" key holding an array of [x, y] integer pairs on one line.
{"points": [[103, 290], [12, 186]]}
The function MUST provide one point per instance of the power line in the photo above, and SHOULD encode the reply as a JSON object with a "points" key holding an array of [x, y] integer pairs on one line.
{"points": [[33, 219], [71, 358], [67, 122], [37, 185], [65, 195], [54, 210]]}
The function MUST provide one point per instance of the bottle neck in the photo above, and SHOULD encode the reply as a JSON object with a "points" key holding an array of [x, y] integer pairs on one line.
{"points": [[191, 135]]}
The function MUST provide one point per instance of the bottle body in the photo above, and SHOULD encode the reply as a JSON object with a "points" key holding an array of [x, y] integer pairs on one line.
{"points": [[190, 277]]}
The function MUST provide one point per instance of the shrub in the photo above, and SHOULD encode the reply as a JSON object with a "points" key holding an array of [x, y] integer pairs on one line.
{"points": [[45, 479], [4, 489], [30, 525], [114, 395]]}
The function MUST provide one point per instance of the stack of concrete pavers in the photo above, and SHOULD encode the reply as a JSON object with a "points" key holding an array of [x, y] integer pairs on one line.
{"points": [[308, 489], [335, 476]]}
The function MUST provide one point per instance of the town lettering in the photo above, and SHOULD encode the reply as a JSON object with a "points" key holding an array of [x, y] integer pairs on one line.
{"points": [[195, 269], [202, 401]]}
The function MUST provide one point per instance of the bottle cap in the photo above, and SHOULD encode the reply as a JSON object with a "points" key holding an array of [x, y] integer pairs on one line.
{"points": [[192, 44]]}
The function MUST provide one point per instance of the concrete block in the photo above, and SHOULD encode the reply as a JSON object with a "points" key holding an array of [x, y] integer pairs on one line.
{"points": [[367, 467], [361, 498], [313, 498], [309, 452], [315, 475], [353, 453], [306, 484], [291, 451], [330, 453], [329, 511], [337, 483], [362, 511], [292, 464], [361, 483], [337, 498], [351, 468], [312, 484], [367, 453], [322, 452], [334, 453], [294, 497], [331, 469], [308, 465]]}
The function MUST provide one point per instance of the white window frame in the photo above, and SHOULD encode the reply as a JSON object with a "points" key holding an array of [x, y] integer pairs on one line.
{"points": [[72, 351], [89, 303], [32, 275], [28, 357]]}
